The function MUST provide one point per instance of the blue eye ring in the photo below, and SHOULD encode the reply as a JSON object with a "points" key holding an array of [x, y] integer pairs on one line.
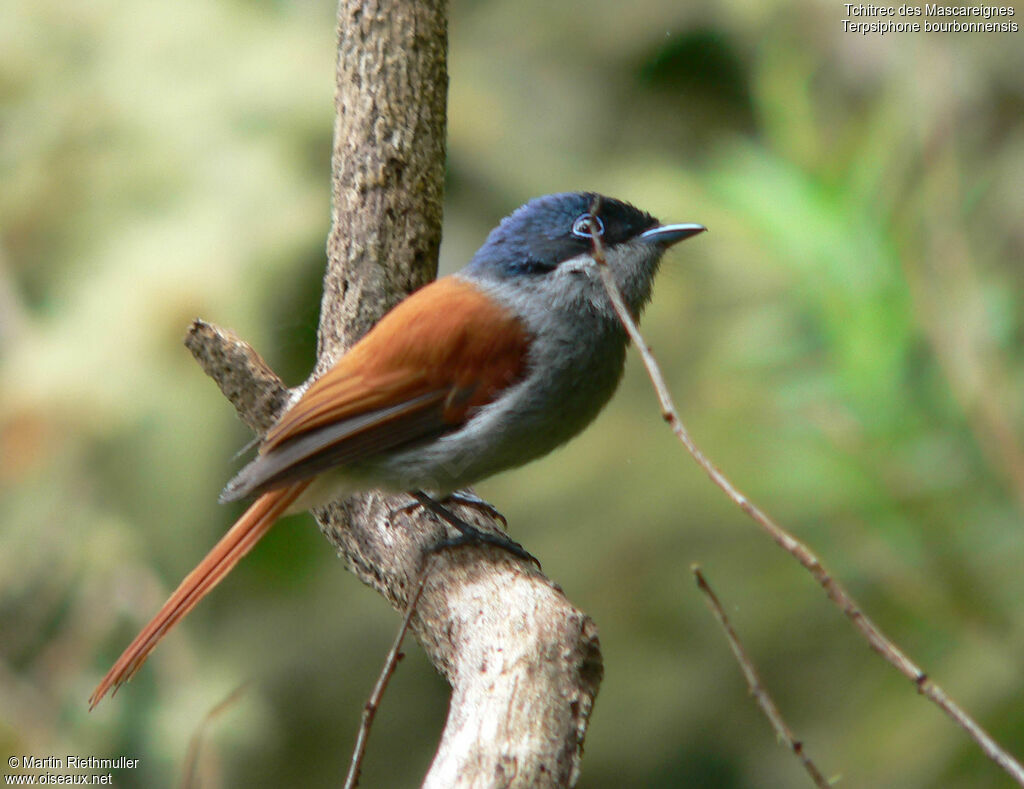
{"points": [[587, 226]]}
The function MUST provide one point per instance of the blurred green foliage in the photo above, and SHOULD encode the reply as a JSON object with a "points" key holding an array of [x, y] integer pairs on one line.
{"points": [[847, 343]]}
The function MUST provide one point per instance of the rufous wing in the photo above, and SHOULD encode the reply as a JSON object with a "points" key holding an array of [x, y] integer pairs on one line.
{"points": [[444, 351]]}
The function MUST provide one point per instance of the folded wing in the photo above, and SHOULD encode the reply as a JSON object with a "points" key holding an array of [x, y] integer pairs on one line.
{"points": [[420, 372]]}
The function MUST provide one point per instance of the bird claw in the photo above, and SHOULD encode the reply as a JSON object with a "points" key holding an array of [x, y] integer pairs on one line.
{"points": [[474, 502], [477, 537], [468, 534], [464, 498]]}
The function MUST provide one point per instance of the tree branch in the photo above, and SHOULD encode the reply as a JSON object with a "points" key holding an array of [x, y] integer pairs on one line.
{"points": [[836, 592], [244, 378], [524, 664], [757, 689], [373, 703]]}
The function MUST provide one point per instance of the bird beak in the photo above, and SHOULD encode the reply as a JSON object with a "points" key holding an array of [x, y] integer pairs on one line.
{"points": [[667, 235]]}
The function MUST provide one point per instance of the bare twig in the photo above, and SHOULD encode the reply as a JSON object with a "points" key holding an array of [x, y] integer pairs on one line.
{"points": [[757, 690], [372, 704], [835, 590], [190, 776]]}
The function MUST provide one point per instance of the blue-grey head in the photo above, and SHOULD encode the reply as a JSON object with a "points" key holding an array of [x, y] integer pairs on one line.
{"points": [[547, 245]]}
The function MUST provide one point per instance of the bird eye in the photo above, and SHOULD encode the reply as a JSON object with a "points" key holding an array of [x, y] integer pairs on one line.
{"points": [[587, 226]]}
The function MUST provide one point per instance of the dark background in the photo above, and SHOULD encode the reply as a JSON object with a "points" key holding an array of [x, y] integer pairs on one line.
{"points": [[846, 342]]}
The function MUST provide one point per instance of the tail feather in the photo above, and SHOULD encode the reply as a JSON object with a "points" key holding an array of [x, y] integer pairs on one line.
{"points": [[239, 540]]}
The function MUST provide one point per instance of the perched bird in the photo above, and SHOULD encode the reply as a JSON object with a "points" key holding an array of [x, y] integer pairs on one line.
{"points": [[475, 373]]}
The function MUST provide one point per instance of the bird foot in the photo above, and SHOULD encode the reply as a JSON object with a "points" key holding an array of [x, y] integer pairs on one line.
{"points": [[468, 534], [464, 498]]}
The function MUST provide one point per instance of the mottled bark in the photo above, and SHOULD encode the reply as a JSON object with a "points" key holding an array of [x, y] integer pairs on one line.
{"points": [[524, 664]]}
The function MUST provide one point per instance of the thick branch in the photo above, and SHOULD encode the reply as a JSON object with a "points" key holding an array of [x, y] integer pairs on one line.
{"points": [[245, 379], [524, 664]]}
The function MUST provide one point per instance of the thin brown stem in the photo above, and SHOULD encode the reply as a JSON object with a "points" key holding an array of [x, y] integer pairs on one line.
{"points": [[373, 703], [757, 690], [190, 775], [835, 590]]}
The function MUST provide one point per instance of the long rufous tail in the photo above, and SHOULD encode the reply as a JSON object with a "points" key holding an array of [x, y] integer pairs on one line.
{"points": [[239, 540]]}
